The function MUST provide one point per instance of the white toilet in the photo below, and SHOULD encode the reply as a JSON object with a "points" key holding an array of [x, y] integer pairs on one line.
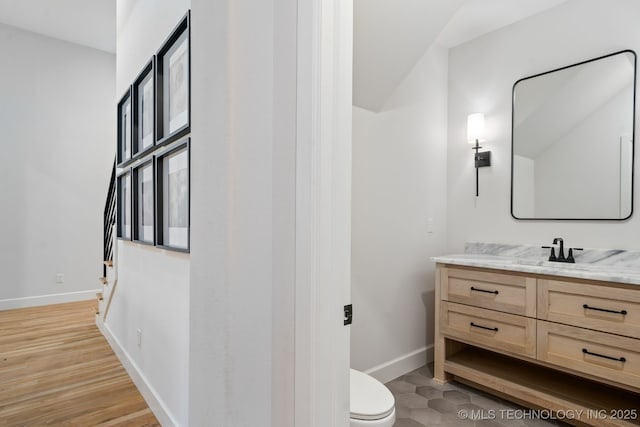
{"points": [[372, 404]]}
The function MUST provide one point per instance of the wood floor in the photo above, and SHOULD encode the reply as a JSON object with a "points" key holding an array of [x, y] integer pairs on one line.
{"points": [[56, 369]]}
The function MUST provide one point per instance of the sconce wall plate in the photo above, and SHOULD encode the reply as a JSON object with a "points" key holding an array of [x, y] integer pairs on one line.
{"points": [[483, 159]]}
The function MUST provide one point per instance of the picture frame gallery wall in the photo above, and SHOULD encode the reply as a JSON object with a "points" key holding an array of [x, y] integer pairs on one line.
{"points": [[153, 148]]}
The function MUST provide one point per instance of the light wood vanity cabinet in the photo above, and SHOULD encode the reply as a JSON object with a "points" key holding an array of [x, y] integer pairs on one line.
{"points": [[559, 344]]}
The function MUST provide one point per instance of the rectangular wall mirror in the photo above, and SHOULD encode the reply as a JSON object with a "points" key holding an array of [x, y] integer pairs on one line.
{"points": [[573, 139]]}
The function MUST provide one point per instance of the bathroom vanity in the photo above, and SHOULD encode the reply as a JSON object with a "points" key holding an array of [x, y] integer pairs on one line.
{"points": [[558, 337]]}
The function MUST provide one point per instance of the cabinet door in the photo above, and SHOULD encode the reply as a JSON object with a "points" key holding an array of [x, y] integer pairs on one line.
{"points": [[600, 307], [497, 291]]}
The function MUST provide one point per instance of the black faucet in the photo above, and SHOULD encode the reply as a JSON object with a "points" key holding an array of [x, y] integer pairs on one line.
{"points": [[560, 258]]}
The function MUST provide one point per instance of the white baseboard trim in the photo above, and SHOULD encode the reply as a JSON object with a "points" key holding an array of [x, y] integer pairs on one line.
{"points": [[402, 365], [8, 304], [149, 394]]}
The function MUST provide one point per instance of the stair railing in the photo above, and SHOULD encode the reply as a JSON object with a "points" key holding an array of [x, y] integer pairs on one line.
{"points": [[109, 219]]}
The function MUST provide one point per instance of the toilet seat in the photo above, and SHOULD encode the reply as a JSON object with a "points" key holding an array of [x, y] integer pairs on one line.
{"points": [[370, 399]]}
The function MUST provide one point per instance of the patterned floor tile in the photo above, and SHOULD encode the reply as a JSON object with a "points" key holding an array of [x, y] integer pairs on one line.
{"points": [[419, 380], [421, 402], [411, 401], [443, 406], [427, 416], [407, 422], [401, 387], [456, 396], [429, 392]]}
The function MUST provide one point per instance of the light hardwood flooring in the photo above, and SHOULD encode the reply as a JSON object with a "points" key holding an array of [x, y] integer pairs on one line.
{"points": [[57, 369]]}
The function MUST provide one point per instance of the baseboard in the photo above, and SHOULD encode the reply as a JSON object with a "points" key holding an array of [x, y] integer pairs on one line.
{"points": [[402, 365], [8, 304], [146, 390]]}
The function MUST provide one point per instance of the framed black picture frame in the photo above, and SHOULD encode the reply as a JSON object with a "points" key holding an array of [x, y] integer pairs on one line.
{"points": [[125, 133], [143, 92], [173, 197], [173, 85], [123, 202], [143, 204]]}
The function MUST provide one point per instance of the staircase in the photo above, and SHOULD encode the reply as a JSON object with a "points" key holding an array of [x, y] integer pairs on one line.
{"points": [[108, 279], [109, 284], [109, 220]]}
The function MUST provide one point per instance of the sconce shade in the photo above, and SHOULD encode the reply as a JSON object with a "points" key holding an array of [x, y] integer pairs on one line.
{"points": [[475, 127]]}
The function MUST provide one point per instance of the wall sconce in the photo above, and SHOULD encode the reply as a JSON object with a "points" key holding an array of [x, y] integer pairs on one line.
{"points": [[475, 135]]}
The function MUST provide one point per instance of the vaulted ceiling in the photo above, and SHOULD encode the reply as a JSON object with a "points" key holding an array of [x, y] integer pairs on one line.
{"points": [[388, 39], [391, 36]]}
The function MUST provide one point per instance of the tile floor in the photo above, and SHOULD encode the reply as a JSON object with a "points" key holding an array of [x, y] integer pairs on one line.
{"points": [[420, 402]]}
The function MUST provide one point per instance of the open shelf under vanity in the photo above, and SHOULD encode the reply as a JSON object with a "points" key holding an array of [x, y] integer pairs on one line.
{"points": [[540, 387]]}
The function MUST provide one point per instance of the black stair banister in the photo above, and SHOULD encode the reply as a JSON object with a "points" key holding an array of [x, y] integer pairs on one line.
{"points": [[109, 219]]}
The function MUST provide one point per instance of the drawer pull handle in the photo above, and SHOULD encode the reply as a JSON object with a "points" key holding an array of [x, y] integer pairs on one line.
{"points": [[617, 359], [484, 290], [586, 307], [484, 327]]}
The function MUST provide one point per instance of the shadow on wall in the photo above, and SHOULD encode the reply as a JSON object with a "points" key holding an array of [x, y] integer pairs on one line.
{"points": [[428, 299]]}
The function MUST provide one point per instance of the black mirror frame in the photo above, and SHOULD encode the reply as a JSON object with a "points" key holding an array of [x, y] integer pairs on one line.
{"points": [[633, 133]]}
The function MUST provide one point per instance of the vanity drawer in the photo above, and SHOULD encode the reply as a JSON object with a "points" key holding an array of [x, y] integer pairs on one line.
{"points": [[489, 329], [612, 357], [599, 307], [496, 291]]}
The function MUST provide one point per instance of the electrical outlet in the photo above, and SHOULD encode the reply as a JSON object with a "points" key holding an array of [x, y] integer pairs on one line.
{"points": [[430, 225], [139, 332], [60, 278]]}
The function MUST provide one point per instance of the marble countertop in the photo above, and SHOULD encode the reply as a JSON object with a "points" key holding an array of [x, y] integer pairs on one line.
{"points": [[621, 266]]}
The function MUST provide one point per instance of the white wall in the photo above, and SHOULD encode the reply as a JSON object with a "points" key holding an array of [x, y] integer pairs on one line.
{"points": [[243, 170], [481, 75], [153, 285], [244, 280], [56, 115], [399, 182], [208, 319]]}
